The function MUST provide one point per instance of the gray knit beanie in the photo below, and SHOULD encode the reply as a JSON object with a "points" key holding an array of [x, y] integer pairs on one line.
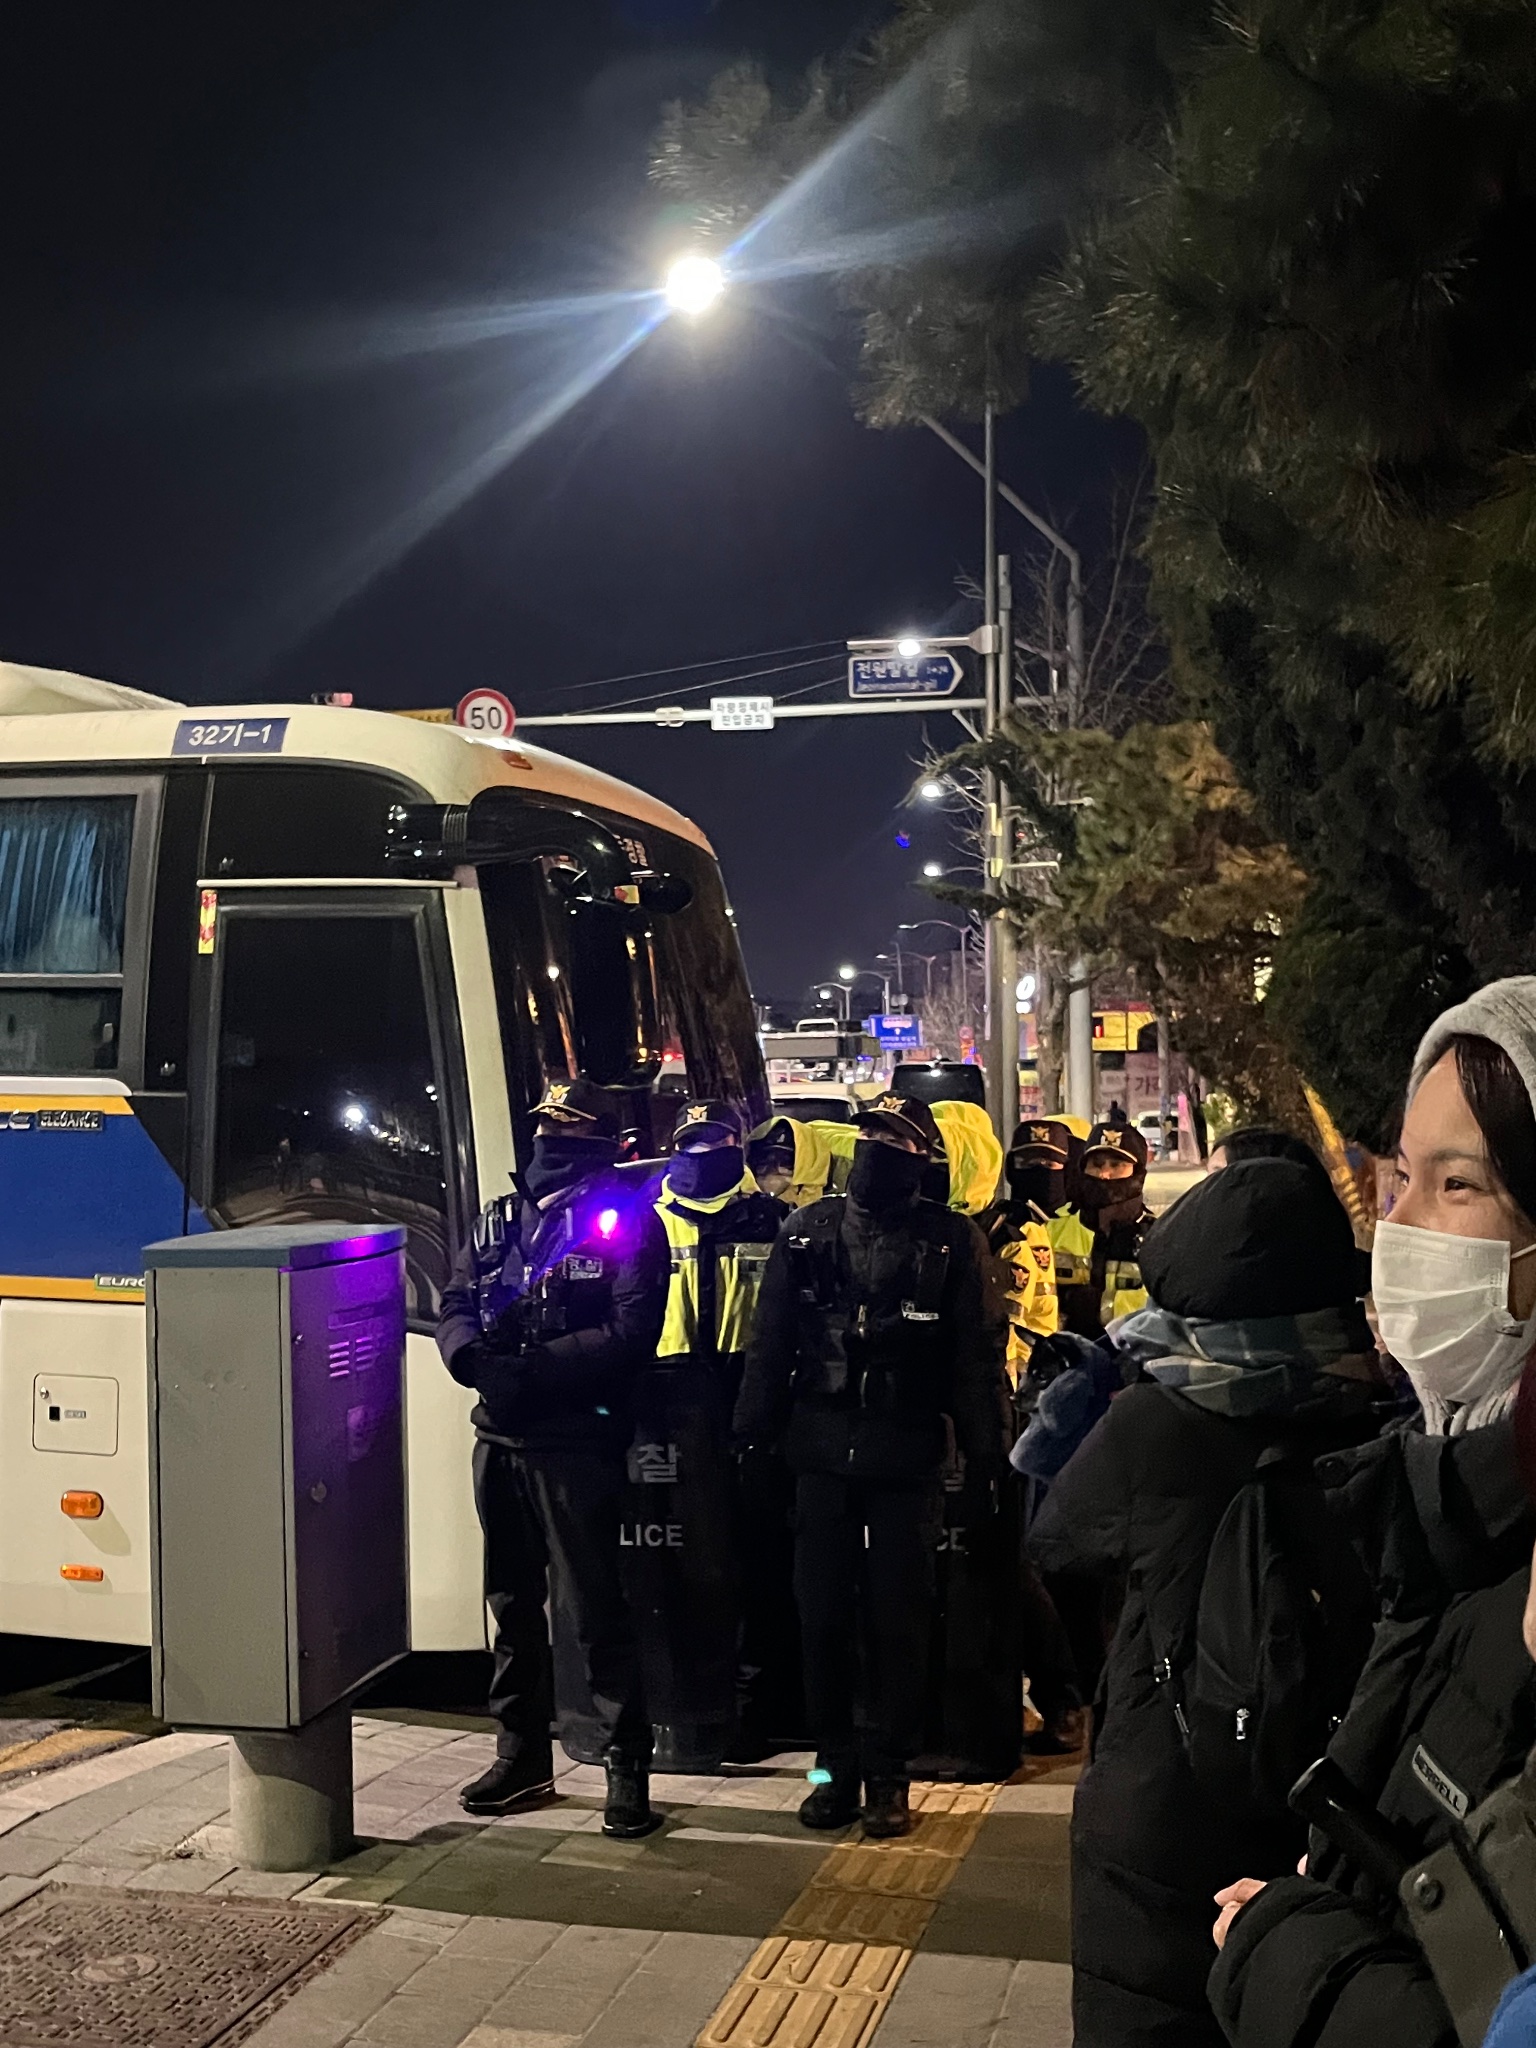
{"points": [[1504, 1011]]}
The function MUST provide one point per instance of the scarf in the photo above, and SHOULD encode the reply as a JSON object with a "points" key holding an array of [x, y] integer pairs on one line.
{"points": [[1259, 1365]]}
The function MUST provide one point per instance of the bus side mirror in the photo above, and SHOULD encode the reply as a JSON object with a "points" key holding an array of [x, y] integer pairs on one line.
{"points": [[665, 895]]}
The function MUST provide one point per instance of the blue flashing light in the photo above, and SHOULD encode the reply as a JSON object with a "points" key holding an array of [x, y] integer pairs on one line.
{"points": [[607, 1222], [903, 840], [818, 1777]]}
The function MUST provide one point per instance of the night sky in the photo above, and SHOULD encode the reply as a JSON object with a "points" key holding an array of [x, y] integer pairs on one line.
{"points": [[257, 441]]}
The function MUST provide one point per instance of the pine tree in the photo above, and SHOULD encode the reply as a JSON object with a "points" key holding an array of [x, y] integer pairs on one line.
{"points": [[1292, 239]]}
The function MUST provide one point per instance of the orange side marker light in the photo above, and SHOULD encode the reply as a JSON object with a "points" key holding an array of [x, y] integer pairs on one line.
{"points": [[86, 1574], [83, 1507]]}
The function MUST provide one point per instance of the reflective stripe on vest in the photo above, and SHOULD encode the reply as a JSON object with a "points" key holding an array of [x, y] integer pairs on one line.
{"points": [[738, 1282], [1072, 1240]]}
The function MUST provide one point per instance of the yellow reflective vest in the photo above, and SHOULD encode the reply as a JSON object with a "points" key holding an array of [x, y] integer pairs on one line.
{"points": [[1026, 1274], [1074, 1244], [737, 1275]]}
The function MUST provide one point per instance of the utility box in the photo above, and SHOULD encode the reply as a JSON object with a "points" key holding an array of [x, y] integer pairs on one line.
{"points": [[277, 1470]]}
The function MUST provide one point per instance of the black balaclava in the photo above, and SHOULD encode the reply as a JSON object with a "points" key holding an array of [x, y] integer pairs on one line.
{"points": [[1114, 1201], [1036, 1181], [560, 1160], [704, 1175], [883, 1178], [934, 1186]]}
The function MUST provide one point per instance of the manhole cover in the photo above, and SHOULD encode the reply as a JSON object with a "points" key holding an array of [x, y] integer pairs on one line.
{"points": [[105, 1969]]}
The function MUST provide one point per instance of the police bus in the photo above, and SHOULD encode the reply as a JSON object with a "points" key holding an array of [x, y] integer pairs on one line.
{"points": [[276, 963]]}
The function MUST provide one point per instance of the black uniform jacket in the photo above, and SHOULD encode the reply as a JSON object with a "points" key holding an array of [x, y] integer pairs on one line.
{"points": [[1142, 1498], [1445, 1711], [572, 1390], [873, 1406]]}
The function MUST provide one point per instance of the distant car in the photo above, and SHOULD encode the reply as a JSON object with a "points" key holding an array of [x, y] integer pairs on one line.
{"points": [[1150, 1125]]}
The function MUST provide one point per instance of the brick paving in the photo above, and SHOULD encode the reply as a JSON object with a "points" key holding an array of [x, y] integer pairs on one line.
{"points": [[535, 1931]]}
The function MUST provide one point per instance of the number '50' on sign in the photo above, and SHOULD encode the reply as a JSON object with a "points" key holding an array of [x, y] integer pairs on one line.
{"points": [[488, 713]]}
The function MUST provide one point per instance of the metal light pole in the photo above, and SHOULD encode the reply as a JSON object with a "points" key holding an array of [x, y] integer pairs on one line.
{"points": [[1003, 1001], [995, 1055], [1079, 1063]]}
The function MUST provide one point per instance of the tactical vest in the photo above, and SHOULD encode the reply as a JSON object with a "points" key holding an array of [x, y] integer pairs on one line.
{"points": [[881, 1355], [714, 1286], [562, 1280]]}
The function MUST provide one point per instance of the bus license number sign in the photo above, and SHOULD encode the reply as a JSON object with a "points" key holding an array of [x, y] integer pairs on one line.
{"points": [[488, 713], [230, 736]]}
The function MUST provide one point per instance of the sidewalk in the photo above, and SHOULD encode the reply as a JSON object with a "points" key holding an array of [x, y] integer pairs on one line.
{"points": [[535, 1931]]}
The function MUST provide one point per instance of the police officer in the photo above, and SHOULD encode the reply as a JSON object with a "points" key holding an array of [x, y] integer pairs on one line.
{"points": [[557, 1303], [878, 1331], [719, 1226], [1098, 1277], [1018, 1232], [720, 1229]]}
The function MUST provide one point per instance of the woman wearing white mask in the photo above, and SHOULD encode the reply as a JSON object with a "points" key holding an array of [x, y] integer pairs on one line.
{"points": [[1446, 1707]]}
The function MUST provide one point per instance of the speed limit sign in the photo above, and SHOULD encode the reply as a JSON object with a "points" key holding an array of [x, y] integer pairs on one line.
{"points": [[488, 713]]}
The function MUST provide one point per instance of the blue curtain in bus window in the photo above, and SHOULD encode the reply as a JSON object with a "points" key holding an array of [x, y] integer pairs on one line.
{"points": [[63, 883]]}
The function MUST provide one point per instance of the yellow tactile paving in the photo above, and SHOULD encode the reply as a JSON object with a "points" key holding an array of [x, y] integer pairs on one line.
{"points": [[65, 1745], [824, 1977]]}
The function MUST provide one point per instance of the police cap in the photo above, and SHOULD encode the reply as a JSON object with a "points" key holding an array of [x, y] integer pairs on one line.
{"points": [[581, 1104], [907, 1118], [1040, 1142], [1116, 1141], [709, 1123]]}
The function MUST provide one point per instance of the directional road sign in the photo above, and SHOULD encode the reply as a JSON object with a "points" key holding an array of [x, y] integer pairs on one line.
{"points": [[897, 1033], [888, 675], [488, 713]]}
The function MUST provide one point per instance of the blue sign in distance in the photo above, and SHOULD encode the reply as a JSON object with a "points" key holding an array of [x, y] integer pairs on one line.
{"points": [[888, 675], [903, 1033], [230, 736]]}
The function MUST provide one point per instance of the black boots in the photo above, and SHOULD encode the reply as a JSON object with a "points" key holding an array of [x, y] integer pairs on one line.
{"points": [[886, 1813], [833, 1804], [511, 1784], [628, 1814]]}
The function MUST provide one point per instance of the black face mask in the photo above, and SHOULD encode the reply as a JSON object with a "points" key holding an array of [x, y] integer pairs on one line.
{"points": [[1045, 1186], [704, 1175], [883, 1177], [1111, 1194], [934, 1185], [559, 1162]]}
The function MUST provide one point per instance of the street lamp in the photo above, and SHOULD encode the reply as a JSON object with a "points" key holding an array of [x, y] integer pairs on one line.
{"points": [[693, 284], [933, 869], [846, 973], [932, 791], [839, 993], [909, 648]]}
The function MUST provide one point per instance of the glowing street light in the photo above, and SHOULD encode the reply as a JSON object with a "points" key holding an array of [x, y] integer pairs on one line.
{"points": [[848, 973], [931, 792], [909, 648], [933, 869], [693, 284]]}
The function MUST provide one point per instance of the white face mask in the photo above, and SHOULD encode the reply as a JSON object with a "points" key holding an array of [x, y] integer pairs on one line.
{"points": [[1442, 1303]]}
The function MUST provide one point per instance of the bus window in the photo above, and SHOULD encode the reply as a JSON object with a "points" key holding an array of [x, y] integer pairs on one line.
{"points": [[328, 1096], [706, 1007], [271, 820], [64, 888]]}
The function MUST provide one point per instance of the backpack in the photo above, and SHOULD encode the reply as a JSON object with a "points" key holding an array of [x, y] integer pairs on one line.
{"points": [[1281, 1633]]}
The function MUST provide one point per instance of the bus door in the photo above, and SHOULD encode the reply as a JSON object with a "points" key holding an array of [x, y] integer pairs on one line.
{"points": [[328, 1084]]}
